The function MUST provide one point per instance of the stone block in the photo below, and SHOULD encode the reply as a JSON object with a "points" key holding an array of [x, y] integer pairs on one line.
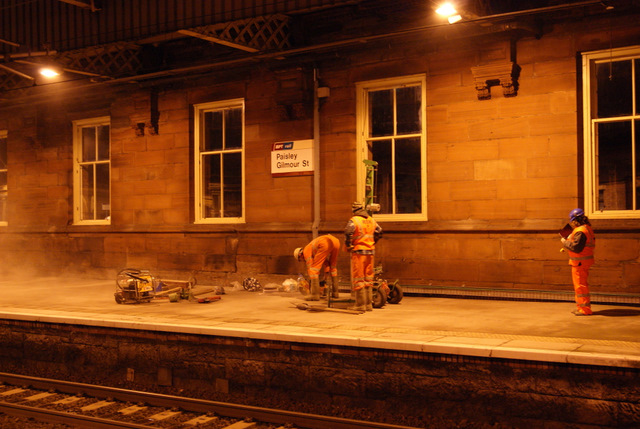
{"points": [[474, 190], [497, 209], [500, 128], [522, 272], [558, 123], [473, 150], [554, 187], [521, 106], [617, 249], [451, 171], [499, 169], [449, 210]]}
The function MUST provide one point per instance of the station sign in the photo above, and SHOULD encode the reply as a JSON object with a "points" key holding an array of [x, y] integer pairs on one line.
{"points": [[292, 158]]}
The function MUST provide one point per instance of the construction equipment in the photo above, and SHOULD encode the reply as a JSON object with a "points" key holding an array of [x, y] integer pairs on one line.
{"points": [[371, 170], [383, 292], [135, 286]]}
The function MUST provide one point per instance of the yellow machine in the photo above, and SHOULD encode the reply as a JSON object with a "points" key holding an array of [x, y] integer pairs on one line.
{"points": [[134, 286]]}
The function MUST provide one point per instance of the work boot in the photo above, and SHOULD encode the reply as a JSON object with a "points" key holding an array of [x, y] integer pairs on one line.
{"points": [[314, 289], [360, 301], [368, 298], [334, 288]]}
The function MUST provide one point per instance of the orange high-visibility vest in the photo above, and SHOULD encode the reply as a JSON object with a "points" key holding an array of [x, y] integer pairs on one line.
{"points": [[363, 236], [587, 252]]}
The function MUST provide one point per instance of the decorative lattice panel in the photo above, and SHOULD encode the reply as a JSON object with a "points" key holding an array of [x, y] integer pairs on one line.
{"points": [[114, 60], [263, 33], [10, 81]]}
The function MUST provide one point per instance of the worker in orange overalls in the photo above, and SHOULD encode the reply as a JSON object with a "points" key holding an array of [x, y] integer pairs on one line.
{"points": [[580, 244], [362, 233], [321, 255]]}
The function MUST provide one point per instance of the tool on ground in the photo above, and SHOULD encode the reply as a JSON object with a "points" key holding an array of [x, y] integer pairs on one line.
{"points": [[319, 308], [208, 299]]}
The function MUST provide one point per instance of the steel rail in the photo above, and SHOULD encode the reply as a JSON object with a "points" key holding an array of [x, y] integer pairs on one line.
{"points": [[268, 415], [71, 419]]}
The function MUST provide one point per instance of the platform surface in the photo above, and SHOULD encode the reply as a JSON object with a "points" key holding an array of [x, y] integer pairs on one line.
{"points": [[539, 331]]}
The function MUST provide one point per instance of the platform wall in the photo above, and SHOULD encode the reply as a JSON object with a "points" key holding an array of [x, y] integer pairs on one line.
{"points": [[417, 389]]}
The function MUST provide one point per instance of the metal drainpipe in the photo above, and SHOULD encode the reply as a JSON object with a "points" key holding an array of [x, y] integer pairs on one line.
{"points": [[316, 156]]}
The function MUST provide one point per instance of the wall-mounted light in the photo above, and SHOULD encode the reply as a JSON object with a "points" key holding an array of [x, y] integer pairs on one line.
{"points": [[49, 72], [449, 11]]}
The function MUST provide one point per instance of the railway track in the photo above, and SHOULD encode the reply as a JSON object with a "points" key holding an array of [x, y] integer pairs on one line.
{"points": [[99, 407]]}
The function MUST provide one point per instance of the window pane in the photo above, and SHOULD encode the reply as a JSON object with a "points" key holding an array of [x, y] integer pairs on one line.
{"points": [[212, 131], [232, 185], [103, 142], [233, 129], [637, 173], [88, 144], [381, 113], [381, 153], [614, 181], [103, 208], [211, 185], [3, 153], [3, 196], [614, 89], [408, 177], [86, 183], [637, 86], [409, 110]]}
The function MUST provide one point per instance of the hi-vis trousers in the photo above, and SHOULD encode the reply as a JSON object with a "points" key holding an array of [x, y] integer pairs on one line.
{"points": [[580, 275], [361, 271]]}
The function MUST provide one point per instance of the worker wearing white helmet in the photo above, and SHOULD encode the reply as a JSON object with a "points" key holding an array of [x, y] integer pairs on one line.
{"points": [[361, 234], [320, 253]]}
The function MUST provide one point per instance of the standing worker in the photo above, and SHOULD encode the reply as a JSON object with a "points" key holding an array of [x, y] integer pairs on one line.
{"points": [[320, 253], [362, 233], [580, 244]]}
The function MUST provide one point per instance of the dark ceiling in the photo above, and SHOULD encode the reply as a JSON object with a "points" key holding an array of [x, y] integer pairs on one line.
{"points": [[117, 39]]}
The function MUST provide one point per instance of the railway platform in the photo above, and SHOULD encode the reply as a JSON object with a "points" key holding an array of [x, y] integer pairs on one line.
{"points": [[521, 330]]}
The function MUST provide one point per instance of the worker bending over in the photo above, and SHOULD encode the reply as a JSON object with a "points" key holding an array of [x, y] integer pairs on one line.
{"points": [[362, 233], [320, 253]]}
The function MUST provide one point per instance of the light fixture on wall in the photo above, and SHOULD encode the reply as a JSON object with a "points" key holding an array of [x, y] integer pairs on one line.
{"points": [[49, 72], [449, 11]]}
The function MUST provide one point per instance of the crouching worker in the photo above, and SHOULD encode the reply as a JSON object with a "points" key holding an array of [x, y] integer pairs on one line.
{"points": [[362, 233], [580, 244], [320, 253]]}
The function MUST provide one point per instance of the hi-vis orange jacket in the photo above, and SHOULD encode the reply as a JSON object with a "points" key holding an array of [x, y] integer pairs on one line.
{"points": [[577, 255], [363, 237]]}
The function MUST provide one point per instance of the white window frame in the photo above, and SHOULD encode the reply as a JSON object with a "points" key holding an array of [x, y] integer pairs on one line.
{"points": [[77, 163], [589, 60], [3, 135], [362, 90], [199, 111]]}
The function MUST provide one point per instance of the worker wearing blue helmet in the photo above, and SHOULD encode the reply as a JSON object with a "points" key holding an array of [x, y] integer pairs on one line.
{"points": [[580, 245]]}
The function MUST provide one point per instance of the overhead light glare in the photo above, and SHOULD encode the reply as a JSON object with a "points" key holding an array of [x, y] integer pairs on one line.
{"points": [[48, 72], [454, 18], [447, 9]]}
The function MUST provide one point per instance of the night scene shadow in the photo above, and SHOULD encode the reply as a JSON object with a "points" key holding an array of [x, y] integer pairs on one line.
{"points": [[617, 312]]}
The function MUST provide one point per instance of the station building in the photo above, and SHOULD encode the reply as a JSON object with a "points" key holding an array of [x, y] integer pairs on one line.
{"points": [[216, 137]]}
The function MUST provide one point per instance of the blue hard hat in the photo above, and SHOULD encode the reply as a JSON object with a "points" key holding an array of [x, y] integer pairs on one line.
{"points": [[576, 213]]}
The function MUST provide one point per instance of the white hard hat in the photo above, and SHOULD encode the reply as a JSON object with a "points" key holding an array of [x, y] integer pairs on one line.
{"points": [[297, 253], [356, 206]]}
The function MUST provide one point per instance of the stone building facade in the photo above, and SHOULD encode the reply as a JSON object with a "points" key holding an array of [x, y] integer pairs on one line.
{"points": [[500, 149]]}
